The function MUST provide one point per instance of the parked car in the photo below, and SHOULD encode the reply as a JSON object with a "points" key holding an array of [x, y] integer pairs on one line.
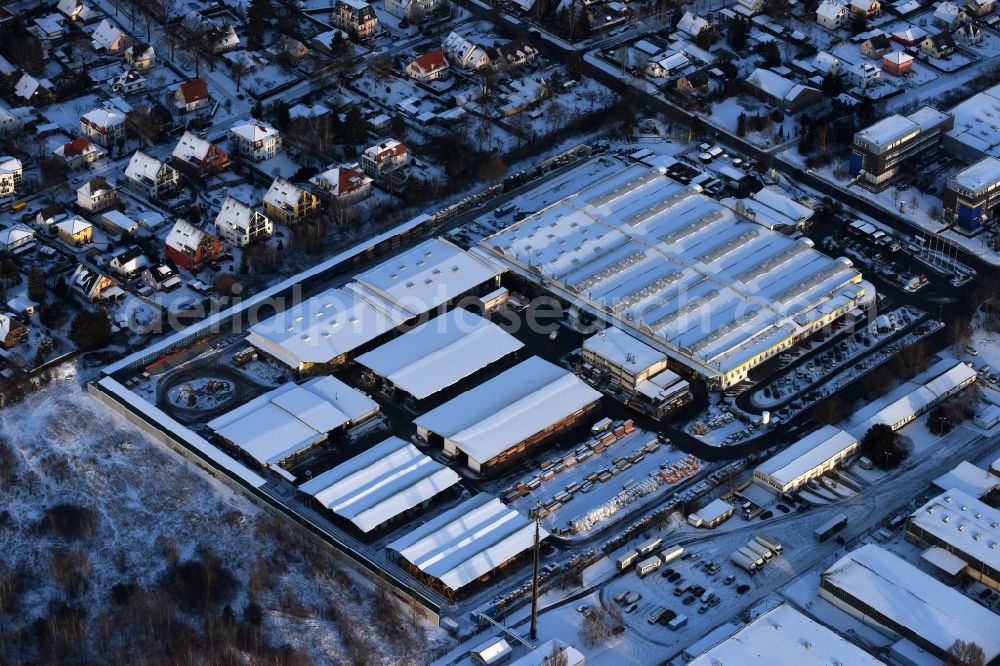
{"points": [[767, 515], [631, 608], [689, 599], [743, 589], [584, 608], [729, 580]]}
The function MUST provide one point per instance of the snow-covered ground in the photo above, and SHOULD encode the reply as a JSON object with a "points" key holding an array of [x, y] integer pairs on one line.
{"points": [[94, 510]]}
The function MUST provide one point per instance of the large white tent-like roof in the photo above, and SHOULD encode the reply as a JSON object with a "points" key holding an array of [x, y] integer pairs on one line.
{"points": [[440, 352], [468, 541], [292, 417], [372, 488], [504, 411]]}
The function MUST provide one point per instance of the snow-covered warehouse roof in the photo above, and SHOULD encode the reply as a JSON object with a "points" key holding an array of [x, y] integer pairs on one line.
{"points": [[968, 478], [677, 269], [714, 510], [808, 453], [468, 541], [325, 326], [381, 483], [784, 637], [520, 402], [919, 399], [542, 655], [440, 352], [965, 523], [424, 277], [915, 600], [292, 417]]}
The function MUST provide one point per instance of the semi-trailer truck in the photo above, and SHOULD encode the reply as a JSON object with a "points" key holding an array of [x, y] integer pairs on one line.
{"points": [[760, 550], [757, 559], [769, 542], [743, 562], [648, 547], [648, 565]]}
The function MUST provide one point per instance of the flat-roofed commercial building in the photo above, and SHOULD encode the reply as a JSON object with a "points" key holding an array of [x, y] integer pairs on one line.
{"points": [[899, 599], [439, 353], [492, 424], [879, 150], [784, 637], [965, 527], [680, 272], [383, 484], [467, 542], [972, 194], [324, 330], [816, 453], [285, 423], [625, 360]]}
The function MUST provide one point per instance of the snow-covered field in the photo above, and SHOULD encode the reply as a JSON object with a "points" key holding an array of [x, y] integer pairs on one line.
{"points": [[114, 549]]}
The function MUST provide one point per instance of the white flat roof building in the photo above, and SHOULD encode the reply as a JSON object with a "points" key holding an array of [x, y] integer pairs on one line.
{"points": [[964, 526], [380, 484], [501, 416], [968, 478], [292, 418], [816, 453], [330, 325], [908, 407], [679, 271], [784, 637], [468, 541], [626, 358], [542, 655], [899, 599], [440, 353], [714, 513]]}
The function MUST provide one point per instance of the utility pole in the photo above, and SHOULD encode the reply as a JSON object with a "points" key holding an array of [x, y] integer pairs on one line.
{"points": [[533, 635]]}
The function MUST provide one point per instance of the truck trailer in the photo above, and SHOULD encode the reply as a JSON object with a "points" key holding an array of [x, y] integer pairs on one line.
{"points": [[626, 561], [757, 559], [763, 551], [769, 542], [648, 547], [648, 565], [671, 554], [743, 562], [831, 527]]}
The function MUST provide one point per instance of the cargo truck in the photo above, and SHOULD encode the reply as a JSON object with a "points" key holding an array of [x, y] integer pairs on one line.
{"points": [[648, 547], [743, 562], [678, 622], [626, 561], [760, 550], [757, 559], [648, 565], [671, 554]]}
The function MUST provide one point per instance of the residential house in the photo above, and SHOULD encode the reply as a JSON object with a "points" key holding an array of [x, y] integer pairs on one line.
{"points": [[191, 96], [694, 85], [12, 332], [11, 173], [141, 56], [385, 156], [151, 177], [13, 238], [782, 92], [222, 39], [34, 91], [897, 63], [22, 305], [96, 195], [941, 45], [110, 38], [118, 224], [79, 152], [969, 34], [342, 184], [979, 7], [49, 216], [664, 66], [48, 28], [912, 36], [460, 52], [191, 248], [128, 83], [75, 231], [287, 203], [411, 9], [92, 286], [949, 15], [692, 25], [197, 157], [512, 55], [75, 11], [749, 7], [861, 75], [12, 120], [428, 67], [105, 127], [832, 14], [867, 8], [161, 277], [355, 16], [128, 262], [827, 64], [253, 141], [240, 225], [876, 46]]}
